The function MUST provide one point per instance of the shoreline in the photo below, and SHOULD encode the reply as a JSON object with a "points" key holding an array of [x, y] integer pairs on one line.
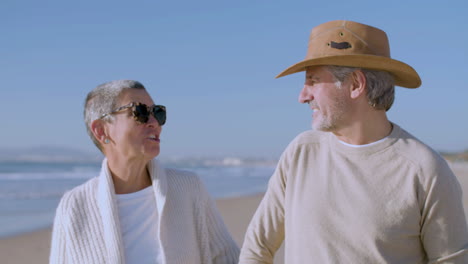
{"points": [[25, 232]]}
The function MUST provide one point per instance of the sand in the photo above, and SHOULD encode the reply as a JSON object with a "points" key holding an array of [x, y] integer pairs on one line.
{"points": [[34, 247]]}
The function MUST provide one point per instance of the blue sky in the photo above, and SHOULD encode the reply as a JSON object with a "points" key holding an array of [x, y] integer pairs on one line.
{"points": [[213, 63]]}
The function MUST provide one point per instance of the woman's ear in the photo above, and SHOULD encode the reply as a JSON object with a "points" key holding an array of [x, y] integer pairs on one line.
{"points": [[359, 83], [98, 127]]}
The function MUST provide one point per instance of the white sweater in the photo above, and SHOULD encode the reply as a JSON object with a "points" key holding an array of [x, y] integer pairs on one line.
{"points": [[87, 229]]}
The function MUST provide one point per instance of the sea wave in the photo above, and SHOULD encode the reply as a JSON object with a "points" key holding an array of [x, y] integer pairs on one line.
{"points": [[75, 174], [32, 195], [233, 172]]}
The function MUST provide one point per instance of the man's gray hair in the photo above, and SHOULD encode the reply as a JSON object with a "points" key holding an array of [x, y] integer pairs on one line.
{"points": [[104, 99], [380, 85]]}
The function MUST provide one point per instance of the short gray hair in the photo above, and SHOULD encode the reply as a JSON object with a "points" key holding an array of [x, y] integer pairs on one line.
{"points": [[380, 85], [104, 99]]}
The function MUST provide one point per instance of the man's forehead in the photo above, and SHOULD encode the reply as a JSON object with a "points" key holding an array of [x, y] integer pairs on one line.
{"points": [[315, 71]]}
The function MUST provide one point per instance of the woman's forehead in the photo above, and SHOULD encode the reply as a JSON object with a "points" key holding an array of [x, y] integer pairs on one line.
{"points": [[135, 95]]}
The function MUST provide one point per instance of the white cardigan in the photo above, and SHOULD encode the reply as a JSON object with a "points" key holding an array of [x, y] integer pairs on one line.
{"points": [[87, 229]]}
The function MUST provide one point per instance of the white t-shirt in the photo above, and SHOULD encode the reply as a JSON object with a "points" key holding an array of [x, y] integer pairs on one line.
{"points": [[365, 145], [139, 222]]}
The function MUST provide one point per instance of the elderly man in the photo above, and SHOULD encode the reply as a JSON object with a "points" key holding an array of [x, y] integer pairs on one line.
{"points": [[358, 189]]}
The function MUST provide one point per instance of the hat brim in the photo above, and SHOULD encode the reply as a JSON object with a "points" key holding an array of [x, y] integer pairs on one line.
{"points": [[405, 75]]}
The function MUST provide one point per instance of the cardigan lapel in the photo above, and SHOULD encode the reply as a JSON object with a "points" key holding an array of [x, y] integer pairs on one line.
{"points": [[159, 182], [109, 216]]}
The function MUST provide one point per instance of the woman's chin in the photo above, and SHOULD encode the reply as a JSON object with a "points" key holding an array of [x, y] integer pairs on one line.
{"points": [[152, 153]]}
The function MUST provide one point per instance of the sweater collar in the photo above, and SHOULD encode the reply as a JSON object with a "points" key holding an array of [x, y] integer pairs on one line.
{"points": [[367, 150], [159, 179], [109, 216]]}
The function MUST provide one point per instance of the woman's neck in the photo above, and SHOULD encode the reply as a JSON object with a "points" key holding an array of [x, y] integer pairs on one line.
{"points": [[129, 175]]}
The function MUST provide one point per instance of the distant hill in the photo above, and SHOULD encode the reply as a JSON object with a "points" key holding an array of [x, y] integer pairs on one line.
{"points": [[48, 154], [44, 154], [66, 154], [456, 157]]}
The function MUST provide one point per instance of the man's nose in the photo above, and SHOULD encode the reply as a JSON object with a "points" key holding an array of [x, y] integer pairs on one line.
{"points": [[305, 95]]}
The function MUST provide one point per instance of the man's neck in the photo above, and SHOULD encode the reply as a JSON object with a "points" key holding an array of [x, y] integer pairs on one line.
{"points": [[365, 131]]}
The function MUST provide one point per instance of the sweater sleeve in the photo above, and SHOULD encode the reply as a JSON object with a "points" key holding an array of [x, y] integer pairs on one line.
{"points": [[225, 249], [443, 226], [58, 246], [265, 233]]}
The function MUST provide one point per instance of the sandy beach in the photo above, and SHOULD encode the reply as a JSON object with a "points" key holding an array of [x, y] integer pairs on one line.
{"points": [[34, 247]]}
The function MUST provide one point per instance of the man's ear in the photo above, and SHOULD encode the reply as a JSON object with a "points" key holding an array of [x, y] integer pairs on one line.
{"points": [[98, 127], [358, 86]]}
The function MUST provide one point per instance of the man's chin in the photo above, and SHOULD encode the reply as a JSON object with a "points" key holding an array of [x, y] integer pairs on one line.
{"points": [[321, 127]]}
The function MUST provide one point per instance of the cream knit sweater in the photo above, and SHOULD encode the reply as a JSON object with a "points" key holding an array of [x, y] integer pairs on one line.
{"points": [[87, 229], [395, 201]]}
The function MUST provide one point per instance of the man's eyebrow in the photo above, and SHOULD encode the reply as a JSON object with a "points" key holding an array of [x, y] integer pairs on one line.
{"points": [[311, 76]]}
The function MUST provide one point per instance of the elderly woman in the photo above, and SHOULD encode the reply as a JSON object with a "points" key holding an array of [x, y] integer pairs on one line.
{"points": [[135, 211]]}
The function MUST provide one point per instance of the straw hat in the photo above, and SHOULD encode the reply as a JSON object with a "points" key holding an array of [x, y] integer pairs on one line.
{"points": [[347, 43]]}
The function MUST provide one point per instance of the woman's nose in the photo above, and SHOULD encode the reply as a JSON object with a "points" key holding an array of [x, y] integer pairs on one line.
{"points": [[152, 121]]}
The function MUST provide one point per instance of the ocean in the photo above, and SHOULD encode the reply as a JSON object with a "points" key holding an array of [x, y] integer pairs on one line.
{"points": [[31, 191]]}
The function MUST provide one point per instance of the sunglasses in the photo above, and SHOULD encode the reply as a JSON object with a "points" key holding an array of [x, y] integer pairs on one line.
{"points": [[142, 112]]}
